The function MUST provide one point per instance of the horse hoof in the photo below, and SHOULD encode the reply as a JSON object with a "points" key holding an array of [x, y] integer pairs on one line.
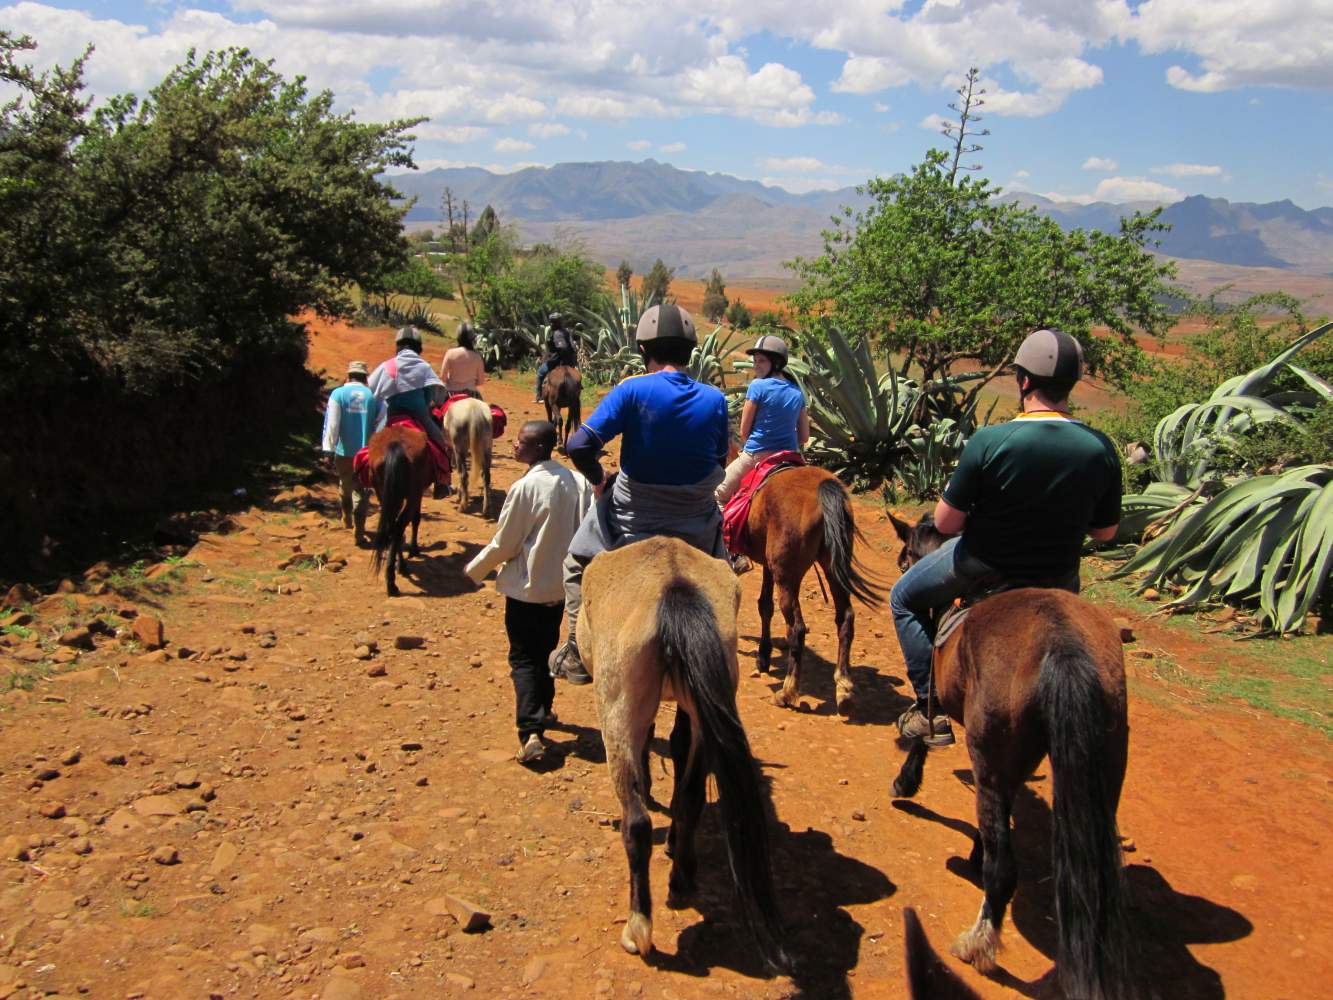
{"points": [[392, 591], [637, 937], [845, 702], [783, 700], [977, 946]]}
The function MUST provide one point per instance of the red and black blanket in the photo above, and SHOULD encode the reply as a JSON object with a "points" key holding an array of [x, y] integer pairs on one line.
{"points": [[736, 514]]}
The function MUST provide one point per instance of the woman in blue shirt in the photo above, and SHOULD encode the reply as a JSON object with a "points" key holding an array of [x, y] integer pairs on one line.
{"points": [[774, 418]]}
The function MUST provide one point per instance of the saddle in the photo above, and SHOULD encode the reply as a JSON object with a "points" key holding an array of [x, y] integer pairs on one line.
{"points": [[440, 460], [950, 617], [736, 514], [499, 419]]}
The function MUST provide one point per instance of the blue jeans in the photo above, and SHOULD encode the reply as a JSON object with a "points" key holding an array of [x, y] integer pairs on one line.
{"points": [[933, 582], [542, 369]]}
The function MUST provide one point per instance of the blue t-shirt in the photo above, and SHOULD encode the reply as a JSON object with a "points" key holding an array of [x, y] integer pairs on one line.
{"points": [[779, 406], [675, 428], [357, 410]]}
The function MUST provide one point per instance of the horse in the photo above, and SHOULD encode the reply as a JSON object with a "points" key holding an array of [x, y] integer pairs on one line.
{"points": [[563, 388], [659, 621], [803, 518], [467, 425], [1033, 672], [402, 470]]}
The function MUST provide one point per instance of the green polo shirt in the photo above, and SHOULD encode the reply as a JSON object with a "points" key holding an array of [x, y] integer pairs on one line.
{"points": [[1031, 489]]}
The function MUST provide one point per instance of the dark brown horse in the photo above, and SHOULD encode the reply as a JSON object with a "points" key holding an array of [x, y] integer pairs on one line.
{"points": [[801, 518], [1032, 672], [401, 466], [563, 389]]}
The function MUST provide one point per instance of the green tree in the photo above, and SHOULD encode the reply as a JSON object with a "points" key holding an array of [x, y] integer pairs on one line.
{"points": [[715, 297], [657, 282], [739, 315], [623, 274], [507, 289], [487, 223], [939, 272]]}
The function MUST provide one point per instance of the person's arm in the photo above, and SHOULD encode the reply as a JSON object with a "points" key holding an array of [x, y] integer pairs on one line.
{"points": [[949, 520], [748, 413], [1106, 514], [803, 426], [332, 424], [583, 447], [481, 369], [1104, 534], [511, 531], [446, 368]]}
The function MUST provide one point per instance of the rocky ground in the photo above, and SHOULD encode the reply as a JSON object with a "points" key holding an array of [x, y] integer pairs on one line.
{"points": [[247, 772]]}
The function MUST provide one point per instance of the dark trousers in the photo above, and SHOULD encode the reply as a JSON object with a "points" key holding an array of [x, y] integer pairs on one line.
{"points": [[534, 631]]}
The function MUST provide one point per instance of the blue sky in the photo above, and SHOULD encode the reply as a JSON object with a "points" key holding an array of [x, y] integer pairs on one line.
{"points": [[1086, 99]]}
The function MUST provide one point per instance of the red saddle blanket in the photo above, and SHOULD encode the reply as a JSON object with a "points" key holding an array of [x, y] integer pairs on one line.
{"points": [[499, 419], [736, 514], [361, 460]]}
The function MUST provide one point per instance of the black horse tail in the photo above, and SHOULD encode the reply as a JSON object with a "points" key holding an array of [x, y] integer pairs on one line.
{"points": [[928, 978], [840, 535], [396, 475], [692, 651], [908, 782], [1093, 962]]}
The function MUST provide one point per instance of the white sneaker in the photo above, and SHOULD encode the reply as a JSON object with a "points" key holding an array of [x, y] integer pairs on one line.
{"points": [[533, 749]]}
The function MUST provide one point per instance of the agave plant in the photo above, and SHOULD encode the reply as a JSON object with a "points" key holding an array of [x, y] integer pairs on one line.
{"points": [[1187, 441], [708, 360], [932, 455], [1268, 538], [610, 354], [504, 347]]}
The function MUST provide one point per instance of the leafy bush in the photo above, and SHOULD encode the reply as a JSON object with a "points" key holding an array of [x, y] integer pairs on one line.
{"points": [[739, 315]]}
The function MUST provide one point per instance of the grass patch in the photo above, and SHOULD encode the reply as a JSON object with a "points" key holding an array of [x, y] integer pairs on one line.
{"points": [[138, 908], [22, 631], [26, 678]]}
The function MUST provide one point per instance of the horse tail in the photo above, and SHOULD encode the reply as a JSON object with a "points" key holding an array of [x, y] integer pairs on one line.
{"points": [[692, 650], [928, 978], [840, 535], [396, 476], [1085, 845]]}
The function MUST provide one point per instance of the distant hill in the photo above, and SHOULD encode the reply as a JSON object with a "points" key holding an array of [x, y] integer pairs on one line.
{"points": [[696, 221]]}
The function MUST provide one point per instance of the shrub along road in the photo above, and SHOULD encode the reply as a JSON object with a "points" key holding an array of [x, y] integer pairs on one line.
{"points": [[264, 809]]}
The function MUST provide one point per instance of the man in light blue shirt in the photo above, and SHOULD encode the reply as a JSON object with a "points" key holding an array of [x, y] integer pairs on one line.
{"points": [[349, 421]]}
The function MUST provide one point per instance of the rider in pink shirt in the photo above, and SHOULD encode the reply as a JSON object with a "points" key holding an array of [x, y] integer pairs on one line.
{"points": [[463, 369]]}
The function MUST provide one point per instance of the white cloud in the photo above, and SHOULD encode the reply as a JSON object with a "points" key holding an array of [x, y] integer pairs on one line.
{"points": [[934, 122], [802, 185], [672, 147], [793, 164], [511, 145], [882, 108], [548, 130], [638, 145], [1100, 163], [1122, 189], [1021, 175], [1186, 170]]}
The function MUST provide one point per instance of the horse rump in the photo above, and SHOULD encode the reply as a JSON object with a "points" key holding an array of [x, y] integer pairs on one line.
{"points": [[840, 536], [1093, 959], [395, 486], [692, 651]]}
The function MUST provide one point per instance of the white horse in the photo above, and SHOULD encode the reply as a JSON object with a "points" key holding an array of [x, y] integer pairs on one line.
{"points": [[467, 425]]}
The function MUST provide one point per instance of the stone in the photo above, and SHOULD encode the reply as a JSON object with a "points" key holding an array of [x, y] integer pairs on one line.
{"points": [[533, 970], [858, 815], [261, 934], [363, 653], [76, 638], [20, 594], [318, 935], [157, 805], [65, 654], [156, 656], [471, 917], [71, 757], [52, 810], [340, 988], [148, 631], [46, 774], [1151, 594], [352, 960], [14, 848], [408, 642], [81, 845], [166, 855], [376, 670], [17, 619], [367, 640], [114, 759], [1141, 654], [461, 981], [188, 778]]}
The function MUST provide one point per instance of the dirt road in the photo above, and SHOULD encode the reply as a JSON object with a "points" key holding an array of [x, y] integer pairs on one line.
{"points": [[253, 811]]}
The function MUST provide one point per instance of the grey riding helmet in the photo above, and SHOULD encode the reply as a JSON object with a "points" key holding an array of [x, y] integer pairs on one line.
{"points": [[408, 335], [1051, 354], [668, 322], [769, 344]]}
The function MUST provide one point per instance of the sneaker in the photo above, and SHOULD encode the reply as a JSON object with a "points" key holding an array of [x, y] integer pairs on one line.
{"points": [[442, 491], [741, 564], [566, 663], [534, 749], [913, 724]]}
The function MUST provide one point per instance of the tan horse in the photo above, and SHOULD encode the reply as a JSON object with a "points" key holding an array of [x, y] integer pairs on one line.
{"points": [[402, 470], [563, 389], [1032, 672], [659, 621], [802, 518], [467, 426]]}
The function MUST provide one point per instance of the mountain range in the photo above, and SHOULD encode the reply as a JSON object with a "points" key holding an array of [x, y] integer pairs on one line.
{"points": [[696, 221]]}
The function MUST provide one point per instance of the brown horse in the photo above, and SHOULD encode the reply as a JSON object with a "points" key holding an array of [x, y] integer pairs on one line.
{"points": [[563, 389], [801, 518], [659, 621], [1032, 672], [402, 469]]}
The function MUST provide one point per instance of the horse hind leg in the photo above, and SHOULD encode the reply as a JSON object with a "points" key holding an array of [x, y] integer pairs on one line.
{"points": [[766, 621], [625, 726], [845, 618], [687, 803], [487, 449], [789, 601], [999, 875]]}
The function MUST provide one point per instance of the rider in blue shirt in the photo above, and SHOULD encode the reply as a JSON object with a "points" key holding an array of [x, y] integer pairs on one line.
{"points": [[350, 419], [675, 436], [774, 418]]}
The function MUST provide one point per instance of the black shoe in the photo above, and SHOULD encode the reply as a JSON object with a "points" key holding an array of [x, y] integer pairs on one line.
{"points": [[442, 491], [566, 663]]}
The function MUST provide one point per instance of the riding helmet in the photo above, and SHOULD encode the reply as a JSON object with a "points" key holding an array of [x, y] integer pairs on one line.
{"points": [[774, 347], [408, 335], [666, 322], [1051, 354]]}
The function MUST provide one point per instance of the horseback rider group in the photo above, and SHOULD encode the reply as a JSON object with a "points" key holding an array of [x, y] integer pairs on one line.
{"points": [[1018, 507]]}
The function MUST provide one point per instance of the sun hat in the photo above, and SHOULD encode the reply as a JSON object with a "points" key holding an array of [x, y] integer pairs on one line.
{"points": [[357, 368]]}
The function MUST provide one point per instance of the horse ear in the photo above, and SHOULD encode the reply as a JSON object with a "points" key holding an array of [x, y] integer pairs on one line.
{"points": [[903, 528]]}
